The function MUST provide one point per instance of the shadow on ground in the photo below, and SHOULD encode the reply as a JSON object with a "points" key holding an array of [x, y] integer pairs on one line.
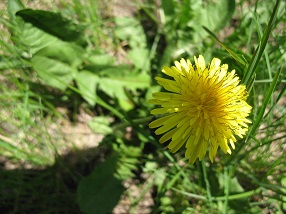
{"points": [[49, 190]]}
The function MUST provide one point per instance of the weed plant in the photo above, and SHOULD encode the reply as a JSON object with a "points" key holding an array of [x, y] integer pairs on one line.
{"points": [[83, 54]]}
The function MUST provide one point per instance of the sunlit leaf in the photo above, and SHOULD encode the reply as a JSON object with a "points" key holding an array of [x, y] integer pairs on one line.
{"points": [[57, 63], [87, 83]]}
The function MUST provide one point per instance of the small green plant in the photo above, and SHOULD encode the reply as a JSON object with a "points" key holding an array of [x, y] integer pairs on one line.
{"points": [[79, 56]]}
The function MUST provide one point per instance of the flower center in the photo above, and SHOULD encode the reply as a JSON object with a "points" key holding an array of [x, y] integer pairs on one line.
{"points": [[206, 105]]}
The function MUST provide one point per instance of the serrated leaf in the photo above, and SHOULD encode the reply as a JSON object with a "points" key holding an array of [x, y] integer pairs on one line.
{"points": [[100, 192]]}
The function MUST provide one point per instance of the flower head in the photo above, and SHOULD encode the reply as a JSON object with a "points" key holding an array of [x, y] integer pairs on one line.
{"points": [[205, 107]]}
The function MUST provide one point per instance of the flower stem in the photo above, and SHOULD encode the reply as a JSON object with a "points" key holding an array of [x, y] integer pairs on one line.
{"points": [[209, 194]]}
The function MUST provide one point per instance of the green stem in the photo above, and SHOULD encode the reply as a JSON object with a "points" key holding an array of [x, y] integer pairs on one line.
{"points": [[227, 187], [209, 194]]}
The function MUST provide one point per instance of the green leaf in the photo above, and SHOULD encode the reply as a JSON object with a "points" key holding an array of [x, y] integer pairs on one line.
{"points": [[218, 13], [100, 125], [117, 80], [100, 192], [234, 185], [28, 38], [215, 15], [100, 59], [169, 11], [53, 24], [53, 72], [130, 29], [65, 52], [140, 58], [57, 63], [87, 82], [96, 61], [13, 7]]}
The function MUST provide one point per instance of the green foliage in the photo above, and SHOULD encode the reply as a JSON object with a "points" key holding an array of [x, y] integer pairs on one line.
{"points": [[183, 22], [100, 191], [56, 49], [54, 24], [81, 57], [94, 191], [56, 64]]}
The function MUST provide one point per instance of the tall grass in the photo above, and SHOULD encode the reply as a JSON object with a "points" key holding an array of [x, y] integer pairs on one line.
{"points": [[80, 56]]}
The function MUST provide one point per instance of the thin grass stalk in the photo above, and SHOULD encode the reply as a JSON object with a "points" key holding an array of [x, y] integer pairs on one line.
{"points": [[250, 72], [227, 170], [208, 187]]}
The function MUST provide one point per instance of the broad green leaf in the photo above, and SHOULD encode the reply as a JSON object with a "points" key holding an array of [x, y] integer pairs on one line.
{"points": [[54, 24], [28, 38], [100, 125], [100, 192], [87, 83], [65, 52], [53, 72], [57, 63]]}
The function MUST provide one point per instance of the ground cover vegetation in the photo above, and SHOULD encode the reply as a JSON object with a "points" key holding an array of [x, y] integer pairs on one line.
{"points": [[79, 79]]}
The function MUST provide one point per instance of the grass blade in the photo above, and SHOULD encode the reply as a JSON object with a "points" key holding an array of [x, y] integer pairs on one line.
{"points": [[249, 75], [261, 110], [234, 55]]}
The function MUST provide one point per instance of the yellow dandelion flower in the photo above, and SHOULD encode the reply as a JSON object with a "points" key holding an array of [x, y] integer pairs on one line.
{"points": [[205, 107]]}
